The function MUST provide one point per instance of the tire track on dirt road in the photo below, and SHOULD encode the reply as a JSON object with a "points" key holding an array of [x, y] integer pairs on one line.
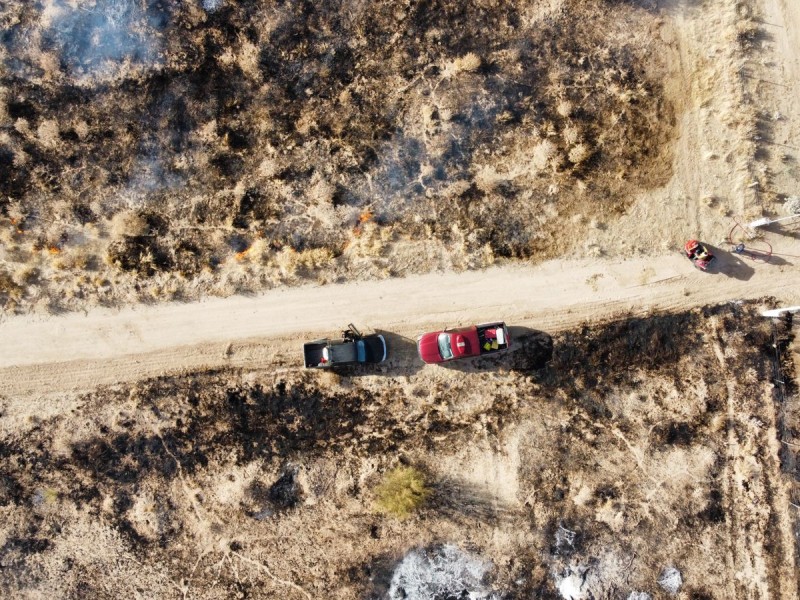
{"points": [[42, 355]]}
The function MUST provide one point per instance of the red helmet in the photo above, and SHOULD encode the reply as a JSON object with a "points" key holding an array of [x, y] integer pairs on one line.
{"points": [[691, 246]]}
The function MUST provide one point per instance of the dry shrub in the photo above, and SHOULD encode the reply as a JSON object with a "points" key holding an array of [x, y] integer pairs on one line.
{"points": [[487, 179], [579, 153], [255, 252], [370, 240], [564, 108], [247, 58], [47, 132], [321, 194], [74, 259], [292, 263], [543, 154], [9, 288], [81, 129], [571, 135], [22, 126], [402, 491], [26, 275], [470, 62]]}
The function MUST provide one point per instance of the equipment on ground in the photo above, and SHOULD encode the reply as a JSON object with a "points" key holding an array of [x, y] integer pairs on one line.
{"points": [[768, 221], [779, 312]]}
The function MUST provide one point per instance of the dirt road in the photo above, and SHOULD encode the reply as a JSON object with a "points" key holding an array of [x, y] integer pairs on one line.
{"points": [[46, 355]]}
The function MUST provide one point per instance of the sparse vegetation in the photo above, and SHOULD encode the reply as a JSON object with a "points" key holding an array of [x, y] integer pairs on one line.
{"points": [[156, 150], [186, 128], [590, 473]]}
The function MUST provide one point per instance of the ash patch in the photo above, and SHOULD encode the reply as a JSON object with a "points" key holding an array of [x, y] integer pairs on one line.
{"points": [[566, 541], [94, 42], [440, 572], [286, 492], [676, 433]]}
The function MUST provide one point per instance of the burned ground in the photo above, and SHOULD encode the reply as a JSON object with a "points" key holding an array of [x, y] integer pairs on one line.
{"points": [[260, 483], [325, 139]]}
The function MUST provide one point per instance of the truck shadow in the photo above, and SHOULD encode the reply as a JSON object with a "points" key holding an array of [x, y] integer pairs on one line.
{"points": [[401, 358], [530, 351]]}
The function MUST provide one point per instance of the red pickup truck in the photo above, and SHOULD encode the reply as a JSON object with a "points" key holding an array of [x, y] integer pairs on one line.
{"points": [[464, 342]]}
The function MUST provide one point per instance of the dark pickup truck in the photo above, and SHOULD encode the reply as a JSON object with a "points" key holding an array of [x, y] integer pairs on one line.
{"points": [[352, 349]]}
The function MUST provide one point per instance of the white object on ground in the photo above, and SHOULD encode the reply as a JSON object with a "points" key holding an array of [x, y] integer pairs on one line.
{"points": [[444, 572], [670, 580], [777, 312], [767, 221], [571, 585], [639, 596]]}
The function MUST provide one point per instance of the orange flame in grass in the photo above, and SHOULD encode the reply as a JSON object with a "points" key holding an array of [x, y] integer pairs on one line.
{"points": [[54, 250], [243, 254], [364, 217]]}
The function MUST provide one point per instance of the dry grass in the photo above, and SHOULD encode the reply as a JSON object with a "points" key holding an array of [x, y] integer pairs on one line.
{"points": [[269, 480], [123, 159]]}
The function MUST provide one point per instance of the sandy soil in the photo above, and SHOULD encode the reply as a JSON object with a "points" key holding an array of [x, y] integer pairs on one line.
{"points": [[108, 346]]}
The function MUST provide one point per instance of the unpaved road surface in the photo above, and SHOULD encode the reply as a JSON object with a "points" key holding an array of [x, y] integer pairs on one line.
{"points": [[42, 355]]}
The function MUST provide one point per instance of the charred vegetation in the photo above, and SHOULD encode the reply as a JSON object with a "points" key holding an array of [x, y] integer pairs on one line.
{"points": [[604, 465], [293, 121]]}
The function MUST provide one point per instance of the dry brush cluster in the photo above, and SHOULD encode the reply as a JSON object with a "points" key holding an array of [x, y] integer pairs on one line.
{"points": [[152, 150]]}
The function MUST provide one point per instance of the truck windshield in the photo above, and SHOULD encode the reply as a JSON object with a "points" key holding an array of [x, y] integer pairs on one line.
{"points": [[444, 346]]}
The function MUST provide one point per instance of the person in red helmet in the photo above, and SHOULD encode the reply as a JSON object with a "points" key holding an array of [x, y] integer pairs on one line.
{"points": [[695, 250]]}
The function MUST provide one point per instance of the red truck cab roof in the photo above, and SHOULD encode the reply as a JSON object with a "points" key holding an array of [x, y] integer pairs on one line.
{"points": [[464, 343], [440, 346]]}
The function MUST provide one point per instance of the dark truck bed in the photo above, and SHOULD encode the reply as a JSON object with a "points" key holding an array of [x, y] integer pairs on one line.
{"points": [[333, 353], [492, 337]]}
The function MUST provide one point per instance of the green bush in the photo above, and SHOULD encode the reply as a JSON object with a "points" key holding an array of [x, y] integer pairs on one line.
{"points": [[402, 491]]}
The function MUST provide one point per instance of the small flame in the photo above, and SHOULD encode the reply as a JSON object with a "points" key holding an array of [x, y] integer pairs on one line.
{"points": [[243, 254], [364, 217], [54, 250]]}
